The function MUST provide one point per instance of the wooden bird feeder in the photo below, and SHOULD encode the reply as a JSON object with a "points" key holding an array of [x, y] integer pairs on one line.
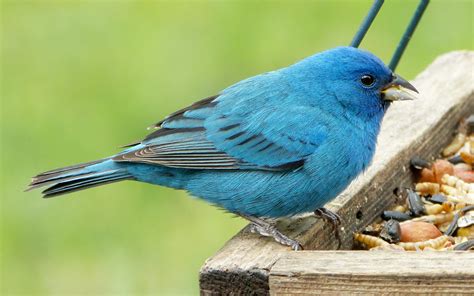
{"points": [[251, 264]]}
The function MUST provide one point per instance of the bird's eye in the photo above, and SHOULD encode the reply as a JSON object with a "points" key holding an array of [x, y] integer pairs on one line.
{"points": [[367, 80]]}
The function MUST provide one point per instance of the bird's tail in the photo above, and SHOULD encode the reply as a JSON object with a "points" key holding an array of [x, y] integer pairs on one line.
{"points": [[78, 177]]}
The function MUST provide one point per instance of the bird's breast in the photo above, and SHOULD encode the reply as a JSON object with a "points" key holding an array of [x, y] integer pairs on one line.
{"points": [[342, 158]]}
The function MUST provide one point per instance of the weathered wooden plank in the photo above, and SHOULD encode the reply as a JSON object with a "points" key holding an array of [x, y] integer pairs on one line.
{"points": [[422, 127], [373, 273]]}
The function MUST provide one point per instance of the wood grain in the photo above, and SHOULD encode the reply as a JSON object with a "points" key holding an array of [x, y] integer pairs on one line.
{"points": [[373, 273], [421, 127]]}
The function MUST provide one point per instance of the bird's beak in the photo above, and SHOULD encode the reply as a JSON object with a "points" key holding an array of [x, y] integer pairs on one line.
{"points": [[398, 90]]}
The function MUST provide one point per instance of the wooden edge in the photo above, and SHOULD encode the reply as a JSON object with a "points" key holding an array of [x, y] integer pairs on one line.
{"points": [[378, 272], [421, 127]]}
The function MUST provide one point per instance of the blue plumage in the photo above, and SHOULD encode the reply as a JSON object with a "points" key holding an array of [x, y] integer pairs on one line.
{"points": [[277, 144]]}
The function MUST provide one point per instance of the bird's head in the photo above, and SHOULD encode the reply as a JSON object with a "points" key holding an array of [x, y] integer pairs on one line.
{"points": [[359, 80]]}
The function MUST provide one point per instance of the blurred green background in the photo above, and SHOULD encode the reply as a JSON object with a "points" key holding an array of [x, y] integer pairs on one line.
{"points": [[80, 78]]}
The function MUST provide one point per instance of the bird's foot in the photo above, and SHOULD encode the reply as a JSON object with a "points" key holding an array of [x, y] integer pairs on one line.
{"points": [[326, 214], [332, 218], [265, 228]]}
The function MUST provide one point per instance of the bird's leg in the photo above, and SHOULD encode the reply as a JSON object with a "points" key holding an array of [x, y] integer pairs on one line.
{"points": [[332, 218], [265, 228]]}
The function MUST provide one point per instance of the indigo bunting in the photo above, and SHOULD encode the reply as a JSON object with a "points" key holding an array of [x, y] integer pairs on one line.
{"points": [[274, 145]]}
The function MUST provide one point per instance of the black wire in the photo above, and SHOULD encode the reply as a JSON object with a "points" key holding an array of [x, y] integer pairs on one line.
{"points": [[364, 27], [408, 33]]}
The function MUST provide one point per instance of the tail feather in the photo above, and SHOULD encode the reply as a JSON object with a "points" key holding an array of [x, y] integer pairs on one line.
{"points": [[84, 183], [78, 177], [69, 168], [61, 174], [56, 179]]}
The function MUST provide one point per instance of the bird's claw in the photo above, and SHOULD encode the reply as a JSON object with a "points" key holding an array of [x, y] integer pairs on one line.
{"points": [[332, 218], [297, 247], [326, 214], [264, 228]]}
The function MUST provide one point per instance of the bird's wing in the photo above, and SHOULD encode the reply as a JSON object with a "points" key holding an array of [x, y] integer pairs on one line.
{"points": [[251, 125]]}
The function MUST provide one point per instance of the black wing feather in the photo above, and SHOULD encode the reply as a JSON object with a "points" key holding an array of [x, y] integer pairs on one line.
{"points": [[194, 150]]}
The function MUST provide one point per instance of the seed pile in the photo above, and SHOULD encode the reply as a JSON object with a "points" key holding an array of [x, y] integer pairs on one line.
{"points": [[438, 214]]}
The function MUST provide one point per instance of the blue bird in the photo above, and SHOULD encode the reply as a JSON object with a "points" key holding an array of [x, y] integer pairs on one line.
{"points": [[274, 145]]}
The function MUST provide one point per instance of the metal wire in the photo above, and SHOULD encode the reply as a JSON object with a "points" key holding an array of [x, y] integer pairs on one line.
{"points": [[364, 27], [408, 33]]}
